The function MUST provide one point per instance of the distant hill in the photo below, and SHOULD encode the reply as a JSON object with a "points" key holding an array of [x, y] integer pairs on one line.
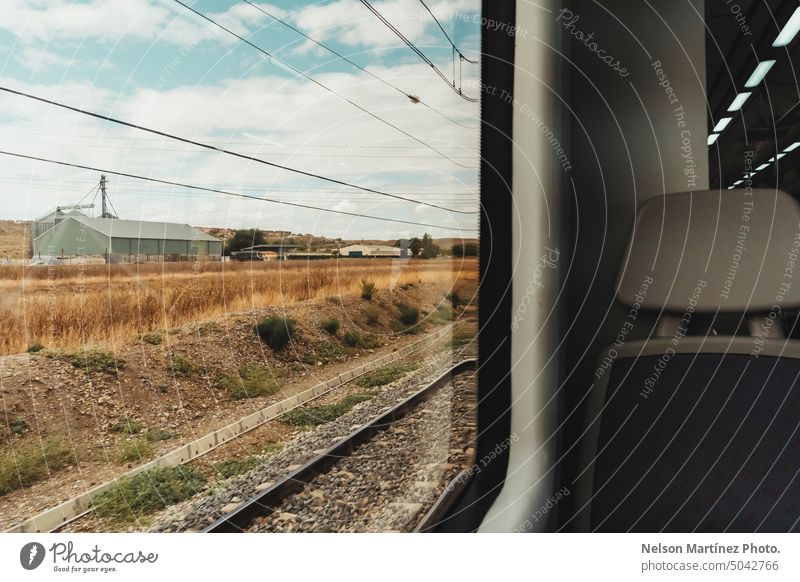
{"points": [[15, 239], [444, 243]]}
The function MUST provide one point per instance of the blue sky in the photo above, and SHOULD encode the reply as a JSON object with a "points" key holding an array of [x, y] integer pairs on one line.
{"points": [[155, 63]]}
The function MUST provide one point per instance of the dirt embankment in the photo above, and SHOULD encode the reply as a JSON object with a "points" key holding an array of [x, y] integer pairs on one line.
{"points": [[172, 386]]}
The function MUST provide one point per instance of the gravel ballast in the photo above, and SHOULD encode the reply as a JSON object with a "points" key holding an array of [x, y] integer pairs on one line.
{"points": [[394, 478]]}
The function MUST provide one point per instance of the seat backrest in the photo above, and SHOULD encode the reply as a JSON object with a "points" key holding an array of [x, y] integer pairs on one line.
{"points": [[698, 432]]}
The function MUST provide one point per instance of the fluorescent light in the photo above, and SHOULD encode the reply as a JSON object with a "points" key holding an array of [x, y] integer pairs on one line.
{"points": [[722, 124], [792, 147], [778, 157], [737, 182], [731, 187], [789, 30], [759, 73], [712, 138], [739, 101], [761, 167]]}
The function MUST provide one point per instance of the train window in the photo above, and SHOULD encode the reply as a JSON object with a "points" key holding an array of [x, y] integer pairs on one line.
{"points": [[240, 250], [431, 266]]}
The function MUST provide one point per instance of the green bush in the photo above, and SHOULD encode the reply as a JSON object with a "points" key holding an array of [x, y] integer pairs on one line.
{"points": [[180, 365], [148, 491], [371, 316], [154, 339], [455, 299], [235, 466], [385, 375], [19, 426], [35, 347], [368, 289], [128, 427], [408, 315], [250, 381], [92, 361], [137, 450], [276, 332], [316, 415], [462, 337], [30, 462], [159, 434], [351, 339], [331, 326]]}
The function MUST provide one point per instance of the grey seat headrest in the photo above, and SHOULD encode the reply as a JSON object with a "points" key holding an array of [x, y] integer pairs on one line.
{"points": [[734, 250]]}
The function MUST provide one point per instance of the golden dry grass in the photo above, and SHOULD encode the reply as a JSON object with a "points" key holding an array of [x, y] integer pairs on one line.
{"points": [[70, 306], [14, 239]]}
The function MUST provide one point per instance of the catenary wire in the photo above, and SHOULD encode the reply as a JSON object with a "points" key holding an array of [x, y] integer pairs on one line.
{"points": [[414, 48], [322, 85], [447, 36], [413, 98], [230, 193], [224, 151]]}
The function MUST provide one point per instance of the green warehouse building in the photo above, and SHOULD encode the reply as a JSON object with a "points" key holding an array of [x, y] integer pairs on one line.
{"points": [[126, 240]]}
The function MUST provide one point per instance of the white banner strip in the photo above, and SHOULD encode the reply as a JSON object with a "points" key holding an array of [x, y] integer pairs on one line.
{"points": [[400, 557]]}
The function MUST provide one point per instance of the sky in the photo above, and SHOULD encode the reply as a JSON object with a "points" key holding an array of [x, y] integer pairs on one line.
{"points": [[156, 64]]}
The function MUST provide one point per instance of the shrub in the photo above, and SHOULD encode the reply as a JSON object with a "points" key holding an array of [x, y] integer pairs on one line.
{"points": [[19, 426], [276, 332], [408, 315], [368, 289], [159, 434], [35, 347], [455, 299], [148, 491], [92, 361], [371, 316], [133, 451], [469, 249], [180, 365], [442, 314], [235, 466], [462, 337], [128, 427], [331, 326], [352, 339], [32, 461], [316, 415], [154, 339], [209, 327], [249, 382], [385, 375]]}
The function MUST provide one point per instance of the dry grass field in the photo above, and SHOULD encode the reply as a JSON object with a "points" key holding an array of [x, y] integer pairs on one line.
{"points": [[14, 239], [69, 306]]}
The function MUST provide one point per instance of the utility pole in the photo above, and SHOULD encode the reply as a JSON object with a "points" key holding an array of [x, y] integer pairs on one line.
{"points": [[103, 195]]}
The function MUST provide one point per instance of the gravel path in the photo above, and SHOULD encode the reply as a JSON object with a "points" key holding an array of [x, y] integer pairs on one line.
{"points": [[205, 508]]}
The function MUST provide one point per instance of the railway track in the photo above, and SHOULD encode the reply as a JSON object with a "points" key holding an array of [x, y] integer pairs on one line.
{"points": [[397, 472]]}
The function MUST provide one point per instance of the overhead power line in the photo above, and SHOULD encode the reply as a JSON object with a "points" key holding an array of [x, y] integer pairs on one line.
{"points": [[230, 193], [450, 40], [226, 151], [322, 85], [412, 98], [419, 53]]}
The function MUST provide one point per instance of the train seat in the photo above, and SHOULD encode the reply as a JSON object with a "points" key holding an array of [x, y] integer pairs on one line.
{"points": [[696, 428]]}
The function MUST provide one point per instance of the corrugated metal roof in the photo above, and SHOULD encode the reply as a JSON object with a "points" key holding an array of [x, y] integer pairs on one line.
{"points": [[138, 229]]}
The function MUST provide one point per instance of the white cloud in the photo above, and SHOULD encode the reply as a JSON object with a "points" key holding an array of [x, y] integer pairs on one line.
{"points": [[113, 21], [291, 122], [350, 22]]}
